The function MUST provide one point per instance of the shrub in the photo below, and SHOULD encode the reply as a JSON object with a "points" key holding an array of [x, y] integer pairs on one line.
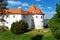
{"points": [[57, 34], [19, 27], [37, 37], [3, 28]]}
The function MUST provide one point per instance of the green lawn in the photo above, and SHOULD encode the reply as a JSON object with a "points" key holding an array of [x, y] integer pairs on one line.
{"points": [[7, 35]]}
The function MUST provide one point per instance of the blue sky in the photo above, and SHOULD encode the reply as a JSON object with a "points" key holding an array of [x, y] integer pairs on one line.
{"points": [[47, 6]]}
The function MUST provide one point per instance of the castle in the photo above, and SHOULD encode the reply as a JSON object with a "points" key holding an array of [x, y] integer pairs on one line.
{"points": [[33, 16]]}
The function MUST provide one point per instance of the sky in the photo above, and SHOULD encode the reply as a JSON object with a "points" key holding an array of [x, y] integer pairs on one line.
{"points": [[48, 7]]}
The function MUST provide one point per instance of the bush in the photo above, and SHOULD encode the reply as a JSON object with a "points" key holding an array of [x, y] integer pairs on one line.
{"points": [[3, 28], [19, 27], [37, 37], [57, 34]]}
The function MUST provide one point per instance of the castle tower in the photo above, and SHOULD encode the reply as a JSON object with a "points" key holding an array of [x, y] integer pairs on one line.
{"points": [[37, 18]]}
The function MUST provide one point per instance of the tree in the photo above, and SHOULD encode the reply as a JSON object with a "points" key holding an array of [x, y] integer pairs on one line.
{"points": [[54, 22], [3, 5], [19, 27]]}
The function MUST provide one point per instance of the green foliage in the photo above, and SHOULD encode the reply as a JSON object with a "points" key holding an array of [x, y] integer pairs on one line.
{"points": [[3, 28], [19, 27], [7, 35], [54, 23], [37, 37]]}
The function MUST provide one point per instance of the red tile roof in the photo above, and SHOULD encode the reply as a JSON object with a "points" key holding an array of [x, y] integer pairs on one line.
{"points": [[31, 10], [34, 10], [15, 11]]}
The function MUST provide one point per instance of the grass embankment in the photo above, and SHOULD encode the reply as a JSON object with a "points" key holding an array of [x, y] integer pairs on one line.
{"points": [[7, 35]]}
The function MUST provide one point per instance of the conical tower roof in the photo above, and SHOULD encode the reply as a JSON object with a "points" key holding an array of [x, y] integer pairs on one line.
{"points": [[32, 7]]}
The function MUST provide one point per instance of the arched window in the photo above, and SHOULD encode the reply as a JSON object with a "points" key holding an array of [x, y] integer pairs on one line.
{"points": [[23, 16], [36, 16], [41, 16], [13, 15]]}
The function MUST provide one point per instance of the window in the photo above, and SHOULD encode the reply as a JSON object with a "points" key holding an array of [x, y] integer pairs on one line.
{"points": [[36, 16], [13, 15], [32, 20], [32, 17], [6, 17], [41, 16], [41, 21], [23, 16], [9, 16], [7, 22]]}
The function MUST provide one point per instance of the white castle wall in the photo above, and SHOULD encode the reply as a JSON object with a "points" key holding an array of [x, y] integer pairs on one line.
{"points": [[37, 23], [27, 18], [11, 18]]}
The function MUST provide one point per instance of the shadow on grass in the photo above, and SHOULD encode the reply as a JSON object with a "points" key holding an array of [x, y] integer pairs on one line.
{"points": [[57, 36], [18, 33], [37, 37]]}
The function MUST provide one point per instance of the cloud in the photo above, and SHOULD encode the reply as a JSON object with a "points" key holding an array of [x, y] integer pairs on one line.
{"points": [[50, 12], [49, 15], [25, 4], [49, 7], [38, 5], [41, 7], [38, 0], [12, 2], [25, 8], [19, 7]]}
